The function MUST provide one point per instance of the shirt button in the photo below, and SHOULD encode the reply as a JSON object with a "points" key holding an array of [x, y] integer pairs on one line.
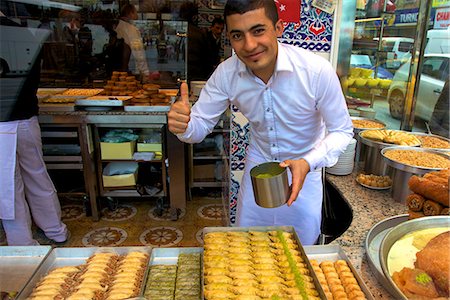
{"points": [[268, 109], [271, 128], [273, 145]]}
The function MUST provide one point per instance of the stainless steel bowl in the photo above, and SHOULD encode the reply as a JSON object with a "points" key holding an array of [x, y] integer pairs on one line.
{"points": [[270, 184], [360, 147], [402, 172], [398, 232], [436, 136]]}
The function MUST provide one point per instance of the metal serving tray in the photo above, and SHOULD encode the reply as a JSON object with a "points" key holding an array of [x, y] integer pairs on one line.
{"points": [[334, 253], [103, 101], [435, 136], [57, 107], [169, 256], [60, 257], [289, 229], [410, 168], [149, 108], [373, 243], [18, 264]]}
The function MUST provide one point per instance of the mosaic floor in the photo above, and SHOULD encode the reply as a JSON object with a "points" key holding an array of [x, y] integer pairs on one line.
{"points": [[136, 223]]}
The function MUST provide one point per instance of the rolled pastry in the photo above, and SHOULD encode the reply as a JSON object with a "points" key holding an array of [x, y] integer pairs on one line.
{"points": [[415, 214], [431, 208], [429, 189], [415, 202]]}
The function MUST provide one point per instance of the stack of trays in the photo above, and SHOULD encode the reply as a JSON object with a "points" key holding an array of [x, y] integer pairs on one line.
{"points": [[345, 163]]}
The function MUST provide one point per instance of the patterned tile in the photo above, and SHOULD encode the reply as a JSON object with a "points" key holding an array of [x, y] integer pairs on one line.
{"points": [[72, 212], [211, 211], [105, 237], [166, 216], [161, 236], [121, 213]]}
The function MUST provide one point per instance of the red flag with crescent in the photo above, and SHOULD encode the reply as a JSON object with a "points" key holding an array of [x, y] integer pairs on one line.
{"points": [[289, 10]]}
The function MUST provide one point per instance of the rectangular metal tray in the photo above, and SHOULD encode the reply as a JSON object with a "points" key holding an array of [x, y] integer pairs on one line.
{"points": [[289, 229], [18, 264], [60, 257], [149, 108], [87, 102], [334, 253]]}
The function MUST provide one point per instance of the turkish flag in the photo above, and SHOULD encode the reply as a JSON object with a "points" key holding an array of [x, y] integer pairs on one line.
{"points": [[289, 10]]}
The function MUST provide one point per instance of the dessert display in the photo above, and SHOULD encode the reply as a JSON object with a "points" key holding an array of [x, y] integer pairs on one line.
{"points": [[103, 276], [419, 263], [374, 181], [418, 158], [337, 280], [391, 137], [361, 123], [255, 265], [433, 142], [81, 92], [430, 194], [150, 95], [180, 282], [121, 84]]}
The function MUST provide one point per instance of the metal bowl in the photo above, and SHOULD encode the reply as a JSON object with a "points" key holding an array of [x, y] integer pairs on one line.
{"points": [[436, 136], [360, 148], [272, 188], [398, 232]]}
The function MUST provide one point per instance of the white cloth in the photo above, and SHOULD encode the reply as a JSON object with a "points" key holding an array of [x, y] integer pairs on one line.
{"points": [[132, 37], [300, 113], [25, 185]]}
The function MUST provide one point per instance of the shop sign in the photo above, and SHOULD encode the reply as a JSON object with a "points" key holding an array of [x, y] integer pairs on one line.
{"points": [[440, 3], [406, 16], [442, 18]]}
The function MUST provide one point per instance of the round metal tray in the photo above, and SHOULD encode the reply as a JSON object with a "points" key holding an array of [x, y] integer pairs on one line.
{"points": [[357, 130], [409, 168], [436, 136], [398, 232], [373, 242], [378, 144]]}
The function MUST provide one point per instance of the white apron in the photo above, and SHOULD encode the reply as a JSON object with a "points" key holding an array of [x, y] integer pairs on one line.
{"points": [[8, 145], [304, 214]]}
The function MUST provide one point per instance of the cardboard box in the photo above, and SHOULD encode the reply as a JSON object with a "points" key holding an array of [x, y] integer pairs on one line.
{"points": [[117, 150], [120, 180], [204, 171], [149, 147]]}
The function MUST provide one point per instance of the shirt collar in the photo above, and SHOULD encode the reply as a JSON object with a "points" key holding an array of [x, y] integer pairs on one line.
{"points": [[283, 62]]}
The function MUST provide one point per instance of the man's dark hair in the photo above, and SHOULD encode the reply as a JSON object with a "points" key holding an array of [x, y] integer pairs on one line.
{"points": [[217, 20], [127, 9], [242, 6]]}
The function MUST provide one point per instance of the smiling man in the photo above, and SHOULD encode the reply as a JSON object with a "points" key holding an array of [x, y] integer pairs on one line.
{"points": [[295, 106]]}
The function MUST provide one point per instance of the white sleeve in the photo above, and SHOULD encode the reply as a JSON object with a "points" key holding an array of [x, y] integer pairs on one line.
{"points": [[138, 51], [206, 112], [332, 106]]}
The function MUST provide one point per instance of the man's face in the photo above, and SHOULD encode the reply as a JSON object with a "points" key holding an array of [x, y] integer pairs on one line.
{"points": [[254, 39], [217, 29]]}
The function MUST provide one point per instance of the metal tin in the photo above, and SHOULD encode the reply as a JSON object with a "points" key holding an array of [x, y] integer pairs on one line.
{"points": [[334, 253], [360, 147], [270, 191], [18, 264], [435, 136], [398, 232], [60, 257], [289, 229], [373, 243], [402, 172]]}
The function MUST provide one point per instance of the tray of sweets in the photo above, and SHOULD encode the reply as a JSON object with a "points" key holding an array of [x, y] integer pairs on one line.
{"points": [[67, 271], [174, 273], [81, 92], [324, 257], [264, 261], [18, 264], [42, 92]]}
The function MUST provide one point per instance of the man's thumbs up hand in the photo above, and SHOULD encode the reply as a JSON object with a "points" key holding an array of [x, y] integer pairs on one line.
{"points": [[180, 111]]}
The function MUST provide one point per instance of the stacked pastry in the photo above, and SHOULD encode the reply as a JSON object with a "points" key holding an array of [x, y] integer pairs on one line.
{"points": [[56, 284], [161, 282], [430, 195], [337, 280], [187, 285], [93, 282], [255, 265], [392, 137], [127, 280], [121, 84]]}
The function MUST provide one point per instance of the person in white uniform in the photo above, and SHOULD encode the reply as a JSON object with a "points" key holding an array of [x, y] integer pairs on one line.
{"points": [[132, 37], [24, 182], [295, 106]]}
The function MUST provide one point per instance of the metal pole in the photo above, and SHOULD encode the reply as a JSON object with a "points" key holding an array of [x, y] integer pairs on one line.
{"points": [[423, 18]]}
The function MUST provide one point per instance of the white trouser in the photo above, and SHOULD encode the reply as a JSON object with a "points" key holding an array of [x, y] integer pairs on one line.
{"points": [[33, 189], [304, 214]]}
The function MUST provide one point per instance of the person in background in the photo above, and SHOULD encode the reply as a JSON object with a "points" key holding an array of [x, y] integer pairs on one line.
{"points": [[214, 42], [439, 122], [130, 33], [25, 187], [294, 103]]}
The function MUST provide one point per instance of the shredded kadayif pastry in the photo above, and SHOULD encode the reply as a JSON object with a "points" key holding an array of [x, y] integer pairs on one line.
{"points": [[418, 158], [433, 142], [366, 124]]}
